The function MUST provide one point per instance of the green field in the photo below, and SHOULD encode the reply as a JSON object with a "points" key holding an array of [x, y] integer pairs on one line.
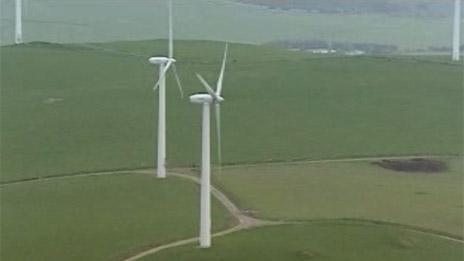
{"points": [[326, 242], [73, 21], [68, 109], [353, 190], [98, 218], [85, 110]]}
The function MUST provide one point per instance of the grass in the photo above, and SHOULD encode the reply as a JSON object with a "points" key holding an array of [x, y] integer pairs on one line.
{"points": [[98, 218], [279, 106], [325, 241], [102, 21], [356, 190]]}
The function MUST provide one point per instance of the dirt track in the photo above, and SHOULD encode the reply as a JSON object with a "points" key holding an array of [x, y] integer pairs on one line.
{"points": [[245, 222]]}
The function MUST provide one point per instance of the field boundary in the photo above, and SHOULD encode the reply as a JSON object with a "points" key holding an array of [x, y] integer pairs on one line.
{"points": [[372, 222], [341, 159], [228, 166], [237, 229], [245, 221]]}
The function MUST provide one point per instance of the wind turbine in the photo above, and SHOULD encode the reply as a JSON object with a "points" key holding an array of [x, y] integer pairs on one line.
{"points": [[457, 30], [206, 100], [18, 22], [164, 63]]}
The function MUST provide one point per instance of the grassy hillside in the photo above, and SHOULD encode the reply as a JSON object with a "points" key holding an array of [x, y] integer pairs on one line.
{"points": [[357, 190], [101, 20], [98, 218], [326, 241], [67, 109]]}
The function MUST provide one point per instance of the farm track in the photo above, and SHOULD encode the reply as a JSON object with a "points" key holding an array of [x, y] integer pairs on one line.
{"points": [[247, 222], [244, 221]]}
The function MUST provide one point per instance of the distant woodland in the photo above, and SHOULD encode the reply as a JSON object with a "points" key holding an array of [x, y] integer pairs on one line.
{"points": [[392, 7]]}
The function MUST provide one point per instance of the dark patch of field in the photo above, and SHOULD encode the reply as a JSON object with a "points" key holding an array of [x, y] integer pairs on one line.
{"points": [[338, 190], [413, 165]]}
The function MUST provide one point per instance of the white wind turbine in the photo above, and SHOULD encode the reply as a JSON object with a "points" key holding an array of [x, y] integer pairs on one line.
{"points": [[206, 99], [18, 22], [457, 30], [164, 63]]}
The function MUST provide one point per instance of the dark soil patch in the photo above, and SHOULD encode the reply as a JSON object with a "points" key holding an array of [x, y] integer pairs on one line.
{"points": [[413, 165]]}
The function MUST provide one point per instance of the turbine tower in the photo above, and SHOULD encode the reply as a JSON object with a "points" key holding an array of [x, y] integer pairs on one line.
{"points": [[206, 99], [457, 30], [164, 63], [18, 22]]}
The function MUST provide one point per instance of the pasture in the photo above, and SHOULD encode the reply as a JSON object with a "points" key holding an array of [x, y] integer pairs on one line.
{"points": [[334, 241], [70, 109], [98, 217], [350, 190], [83, 109]]}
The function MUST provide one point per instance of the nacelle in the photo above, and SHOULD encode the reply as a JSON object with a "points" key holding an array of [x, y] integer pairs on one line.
{"points": [[201, 98], [160, 60]]}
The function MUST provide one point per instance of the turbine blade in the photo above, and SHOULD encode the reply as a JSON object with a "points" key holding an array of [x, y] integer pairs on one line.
{"points": [[218, 133], [179, 83], [221, 75], [156, 85], [207, 86], [162, 75], [171, 34]]}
